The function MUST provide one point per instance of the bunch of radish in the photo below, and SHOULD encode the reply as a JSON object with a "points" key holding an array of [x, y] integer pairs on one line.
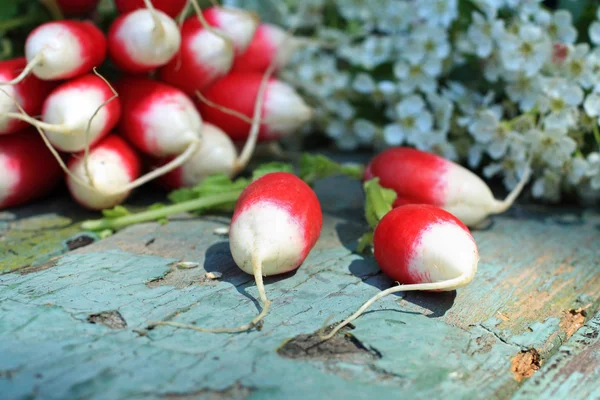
{"points": [[174, 60]]}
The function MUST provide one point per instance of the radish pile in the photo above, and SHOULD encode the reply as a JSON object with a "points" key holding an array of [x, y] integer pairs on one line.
{"points": [[147, 123]]}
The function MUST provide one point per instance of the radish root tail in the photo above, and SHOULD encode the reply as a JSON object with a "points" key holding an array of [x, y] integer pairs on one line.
{"points": [[502, 206], [209, 28], [449, 284], [159, 29], [257, 269], [35, 61]]}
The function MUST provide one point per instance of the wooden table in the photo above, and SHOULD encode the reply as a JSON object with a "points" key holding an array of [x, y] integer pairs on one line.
{"points": [[75, 326]]}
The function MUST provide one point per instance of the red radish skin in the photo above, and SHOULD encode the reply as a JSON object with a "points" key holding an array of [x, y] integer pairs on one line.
{"points": [[70, 107], [239, 25], [170, 7], [112, 164], [159, 119], [419, 177], [216, 155], [28, 169], [283, 111], [136, 43], [264, 48], [64, 49], [422, 247], [77, 7], [203, 58], [30, 93]]}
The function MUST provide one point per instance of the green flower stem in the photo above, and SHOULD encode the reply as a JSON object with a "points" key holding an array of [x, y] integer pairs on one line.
{"points": [[597, 133], [153, 215]]}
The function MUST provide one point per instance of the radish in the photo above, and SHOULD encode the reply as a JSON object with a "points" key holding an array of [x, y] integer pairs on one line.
{"points": [[27, 169], [143, 40], [422, 247], [170, 7], [216, 155], [77, 7], [205, 55], [425, 178], [264, 47], [276, 222], [237, 24], [71, 108], [283, 111], [30, 93], [112, 165], [62, 50]]}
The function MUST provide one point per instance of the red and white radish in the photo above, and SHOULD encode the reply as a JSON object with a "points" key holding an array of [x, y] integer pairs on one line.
{"points": [[30, 93], [264, 48], [283, 110], [239, 25], [27, 169], [216, 155], [170, 7], [422, 247], [77, 7], [276, 222], [143, 40], [159, 119], [68, 110], [62, 50], [112, 164], [420, 177], [205, 55]]}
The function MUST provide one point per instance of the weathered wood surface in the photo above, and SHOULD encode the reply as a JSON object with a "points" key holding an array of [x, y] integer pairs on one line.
{"points": [[62, 338]]}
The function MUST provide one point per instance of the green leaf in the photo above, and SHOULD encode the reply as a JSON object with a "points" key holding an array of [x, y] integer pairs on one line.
{"points": [[117, 211], [268, 168], [379, 201], [365, 241], [317, 166]]}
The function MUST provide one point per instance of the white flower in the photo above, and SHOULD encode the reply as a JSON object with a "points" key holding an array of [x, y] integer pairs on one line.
{"points": [[475, 155], [576, 66], [482, 33], [591, 105], [527, 8], [561, 27], [418, 75], [335, 129], [553, 144], [385, 91], [443, 108], [594, 32], [511, 167], [437, 12], [577, 168], [522, 89], [487, 128], [364, 83], [593, 171], [547, 186], [412, 121], [320, 76], [364, 130], [370, 53], [489, 7], [342, 108], [425, 42], [527, 50], [393, 16], [560, 101], [436, 142]]}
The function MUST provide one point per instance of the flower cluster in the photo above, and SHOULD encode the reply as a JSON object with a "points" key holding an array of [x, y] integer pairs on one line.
{"points": [[497, 84]]}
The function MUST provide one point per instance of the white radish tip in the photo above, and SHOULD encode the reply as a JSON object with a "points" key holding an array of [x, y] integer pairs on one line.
{"points": [[239, 25], [58, 60], [285, 110], [213, 51]]}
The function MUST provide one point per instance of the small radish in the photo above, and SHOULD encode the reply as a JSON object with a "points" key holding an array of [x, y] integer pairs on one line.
{"points": [[283, 111], [27, 169], [159, 119], [69, 108], [276, 222], [264, 47], [421, 247], [62, 50], [143, 40], [77, 7], [239, 25], [30, 93], [425, 178], [112, 165], [170, 7], [216, 155], [205, 55]]}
